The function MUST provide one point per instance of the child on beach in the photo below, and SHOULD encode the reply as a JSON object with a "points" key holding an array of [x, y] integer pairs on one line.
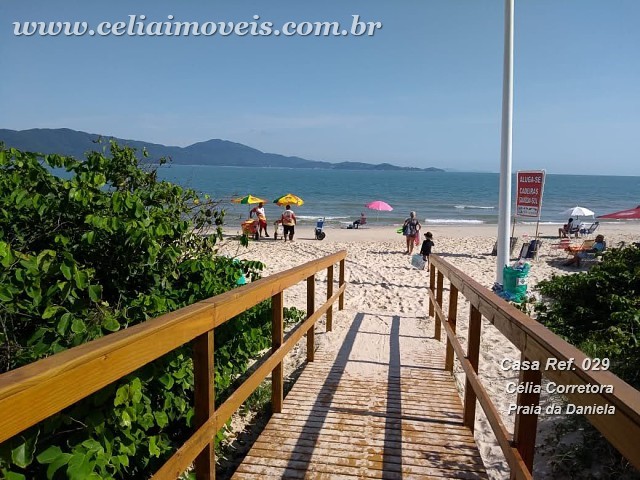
{"points": [[425, 250]]}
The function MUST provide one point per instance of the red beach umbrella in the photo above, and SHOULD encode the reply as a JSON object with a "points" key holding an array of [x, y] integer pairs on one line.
{"points": [[630, 214]]}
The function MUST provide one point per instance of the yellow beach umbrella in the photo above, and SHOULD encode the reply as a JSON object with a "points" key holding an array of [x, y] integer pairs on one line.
{"points": [[249, 199], [288, 199]]}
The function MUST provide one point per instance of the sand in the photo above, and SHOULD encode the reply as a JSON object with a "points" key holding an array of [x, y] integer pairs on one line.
{"points": [[381, 282]]}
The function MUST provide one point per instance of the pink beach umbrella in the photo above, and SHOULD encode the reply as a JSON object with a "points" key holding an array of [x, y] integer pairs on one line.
{"points": [[380, 206]]}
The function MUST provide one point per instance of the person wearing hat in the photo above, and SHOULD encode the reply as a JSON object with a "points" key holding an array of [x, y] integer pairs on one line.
{"points": [[427, 244]]}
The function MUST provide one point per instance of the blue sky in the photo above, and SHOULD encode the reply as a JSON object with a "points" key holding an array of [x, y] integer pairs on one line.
{"points": [[426, 90]]}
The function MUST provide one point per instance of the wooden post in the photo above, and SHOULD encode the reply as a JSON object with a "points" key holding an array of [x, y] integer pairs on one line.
{"points": [[473, 353], [432, 286], [526, 425], [311, 307], [203, 373], [340, 283], [277, 337], [329, 294], [438, 327], [452, 319]]}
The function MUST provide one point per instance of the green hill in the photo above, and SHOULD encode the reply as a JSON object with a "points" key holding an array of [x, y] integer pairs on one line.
{"points": [[211, 152]]}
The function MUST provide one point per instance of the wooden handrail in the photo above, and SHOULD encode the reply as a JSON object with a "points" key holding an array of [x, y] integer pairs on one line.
{"points": [[74, 374], [536, 343], [182, 458], [479, 392]]}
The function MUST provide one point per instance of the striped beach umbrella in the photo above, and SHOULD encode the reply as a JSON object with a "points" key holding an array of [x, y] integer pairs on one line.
{"points": [[249, 199]]}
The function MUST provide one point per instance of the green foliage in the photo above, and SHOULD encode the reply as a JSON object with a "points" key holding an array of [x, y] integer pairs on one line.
{"points": [[106, 247], [293, 315], [599, 311]]}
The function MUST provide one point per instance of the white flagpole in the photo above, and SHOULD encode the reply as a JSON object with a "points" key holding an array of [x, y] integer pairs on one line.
{"points": [[504, 202]]}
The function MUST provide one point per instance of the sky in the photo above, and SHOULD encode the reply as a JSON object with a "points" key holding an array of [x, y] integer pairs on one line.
{"points": [[425, 90]]}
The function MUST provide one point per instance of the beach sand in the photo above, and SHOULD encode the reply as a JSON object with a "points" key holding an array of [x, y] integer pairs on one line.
{"points": [[381, 282]]}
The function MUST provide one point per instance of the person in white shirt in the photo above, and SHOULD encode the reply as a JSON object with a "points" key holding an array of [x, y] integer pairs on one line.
{"points": [[262, 219], [289, 221]]}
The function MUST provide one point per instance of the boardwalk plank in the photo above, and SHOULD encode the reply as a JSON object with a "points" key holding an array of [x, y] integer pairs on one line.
{"points": [[374, 456], [327, 441], [400, 420]]}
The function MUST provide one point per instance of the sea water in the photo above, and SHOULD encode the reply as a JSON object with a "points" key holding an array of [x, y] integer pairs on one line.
{"points": [[438, 198]]}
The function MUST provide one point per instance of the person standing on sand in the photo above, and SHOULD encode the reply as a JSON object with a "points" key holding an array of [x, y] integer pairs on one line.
{"points": [[289, 221], [425, 251], [262, 218], [411, 232]]}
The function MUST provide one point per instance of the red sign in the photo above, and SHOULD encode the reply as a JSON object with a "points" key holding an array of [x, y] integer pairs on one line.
{"points": [[529, 194]]}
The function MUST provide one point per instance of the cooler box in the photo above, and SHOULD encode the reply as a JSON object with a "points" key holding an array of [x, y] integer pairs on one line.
{"points": [[515, 280]]}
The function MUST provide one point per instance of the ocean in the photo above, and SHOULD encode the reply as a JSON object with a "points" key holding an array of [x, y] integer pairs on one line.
{"points": [[439, 198]]}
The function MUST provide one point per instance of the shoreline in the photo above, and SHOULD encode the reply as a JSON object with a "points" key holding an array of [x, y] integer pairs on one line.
{"points": [[375, 233]]}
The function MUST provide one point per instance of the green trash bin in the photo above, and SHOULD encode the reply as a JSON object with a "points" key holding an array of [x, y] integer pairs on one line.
{"points": [[515, 280]]}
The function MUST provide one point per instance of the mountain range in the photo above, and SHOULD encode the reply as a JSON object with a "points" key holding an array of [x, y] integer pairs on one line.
{"points": [[65, 141]]}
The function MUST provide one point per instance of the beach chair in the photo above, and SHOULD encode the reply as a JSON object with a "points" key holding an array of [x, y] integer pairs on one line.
{"points": [[563, 245], [591, 258], [575, 229], [358, 223], [514, 242], [318, 231], [534, 248], [589, 231], [586, 245], [361, 221], [524, 250], [277, 230]]}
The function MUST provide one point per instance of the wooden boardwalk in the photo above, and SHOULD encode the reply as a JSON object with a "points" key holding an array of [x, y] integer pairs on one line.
{"points": [[354, 415]]}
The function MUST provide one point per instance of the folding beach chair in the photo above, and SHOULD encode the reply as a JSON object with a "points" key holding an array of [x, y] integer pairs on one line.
{"points": [[589, 231], [514, 241], [534, 247], [318, 231], [278, 231], [586, 245], [563, 245], [524, 250]]}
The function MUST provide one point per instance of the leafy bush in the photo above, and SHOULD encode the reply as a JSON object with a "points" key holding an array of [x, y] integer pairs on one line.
{"points": [[599, 311], [106, 247]]}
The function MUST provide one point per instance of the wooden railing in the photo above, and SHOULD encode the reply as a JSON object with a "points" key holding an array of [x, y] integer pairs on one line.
{"points": [[536, 343], [74, 374]]}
